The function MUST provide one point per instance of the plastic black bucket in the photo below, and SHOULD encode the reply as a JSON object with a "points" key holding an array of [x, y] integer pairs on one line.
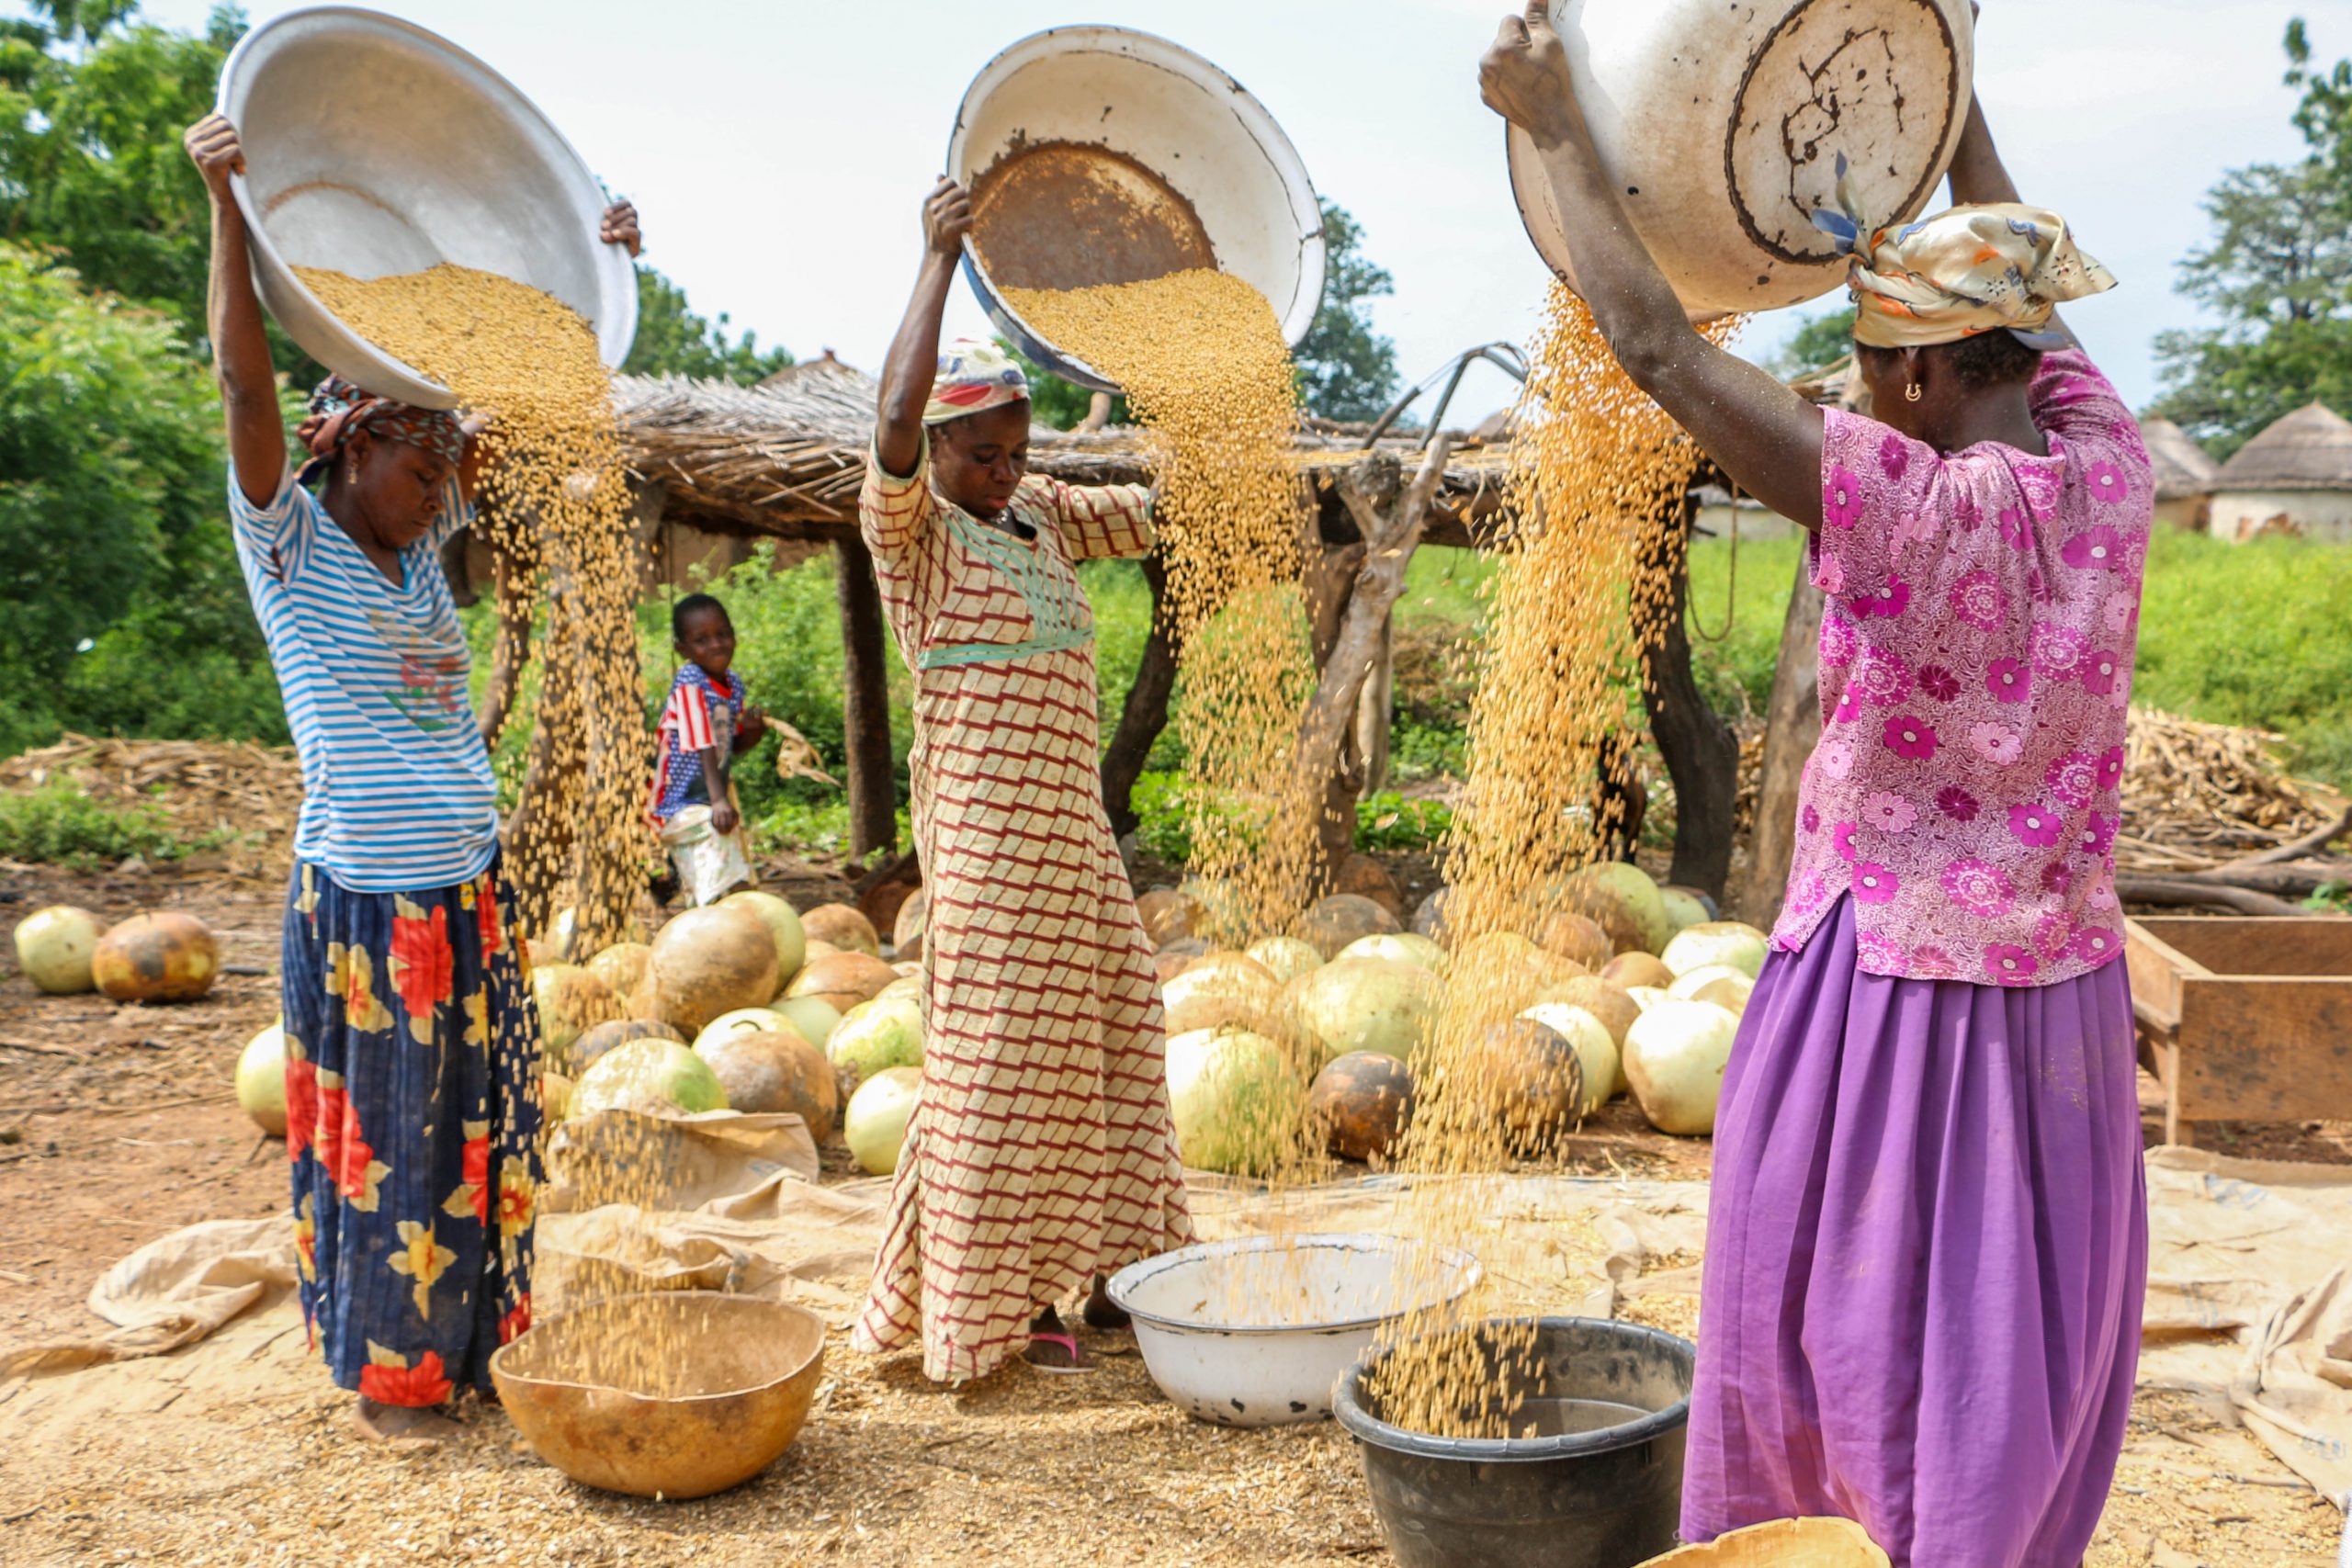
{"points": [[1603, 1490]]}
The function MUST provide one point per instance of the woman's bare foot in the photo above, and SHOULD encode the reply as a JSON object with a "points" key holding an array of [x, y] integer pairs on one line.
{"points": [[1052, 1347], [1101, 1312], [402, 1423]]}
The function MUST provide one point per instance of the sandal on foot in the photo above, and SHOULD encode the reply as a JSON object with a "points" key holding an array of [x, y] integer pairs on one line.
{"points": [[1078, 1362]]}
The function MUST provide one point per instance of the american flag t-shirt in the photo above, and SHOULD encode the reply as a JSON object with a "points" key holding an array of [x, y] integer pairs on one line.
{"points": [[700, 716]]}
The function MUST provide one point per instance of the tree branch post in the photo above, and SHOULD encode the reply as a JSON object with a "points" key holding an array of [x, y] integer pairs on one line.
{"points": [[1791, 726], [1701, 754], [865, 701], [1145, 713], [1392, 531]]}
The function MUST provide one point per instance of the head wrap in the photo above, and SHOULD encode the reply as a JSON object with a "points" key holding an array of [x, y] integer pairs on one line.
{"points": [[1970, 270], [973, 377], [340, 411]]}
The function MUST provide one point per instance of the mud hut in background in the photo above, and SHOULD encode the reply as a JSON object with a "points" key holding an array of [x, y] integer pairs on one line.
{"points": [[2295, 477], [2185, 475]]}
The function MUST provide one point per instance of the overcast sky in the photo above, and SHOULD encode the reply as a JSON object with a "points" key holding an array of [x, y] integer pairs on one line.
{"points": [[779, 151]]}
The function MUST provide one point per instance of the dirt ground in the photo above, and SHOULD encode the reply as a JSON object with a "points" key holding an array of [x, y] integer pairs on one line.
{"points": [[119, 1124]]}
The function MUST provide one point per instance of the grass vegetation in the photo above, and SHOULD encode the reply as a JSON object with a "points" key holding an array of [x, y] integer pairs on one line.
{"points": [[58, 825], [2257, 634]]}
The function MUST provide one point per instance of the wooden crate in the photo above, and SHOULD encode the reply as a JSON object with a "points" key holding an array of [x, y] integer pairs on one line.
{"points": [[2245, 1019]]}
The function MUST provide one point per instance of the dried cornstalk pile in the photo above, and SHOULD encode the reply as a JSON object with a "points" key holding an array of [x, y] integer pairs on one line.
{"points": [[2191, 787], [234, 787]]}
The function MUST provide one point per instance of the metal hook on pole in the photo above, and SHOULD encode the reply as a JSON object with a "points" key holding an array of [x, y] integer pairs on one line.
{"points": [[1504, 356]]}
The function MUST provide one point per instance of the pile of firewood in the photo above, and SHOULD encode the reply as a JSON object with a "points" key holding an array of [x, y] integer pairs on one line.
{"points": [[2213, 819]]}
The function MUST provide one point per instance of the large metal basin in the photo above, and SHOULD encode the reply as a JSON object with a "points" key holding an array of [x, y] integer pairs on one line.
{"points": [[1259, 1331], [738, 1375], [1167, 118], [1721, 128], [375, 147]]}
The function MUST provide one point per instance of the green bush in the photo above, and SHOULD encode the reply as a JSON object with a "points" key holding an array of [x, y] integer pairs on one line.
{"points": [[58, 825], [1122, 601], [1166, 809], [1163, 817], [2258, 634], [1389, 824], [126, 610], [1418, 751]]}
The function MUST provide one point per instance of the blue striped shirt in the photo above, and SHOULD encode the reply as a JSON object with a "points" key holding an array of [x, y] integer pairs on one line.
{"points": [[397, 792]]}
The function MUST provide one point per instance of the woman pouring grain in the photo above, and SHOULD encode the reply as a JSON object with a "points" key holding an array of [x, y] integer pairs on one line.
{"points": [[1040, 1155], [411, 1041], [1926, 1247]]}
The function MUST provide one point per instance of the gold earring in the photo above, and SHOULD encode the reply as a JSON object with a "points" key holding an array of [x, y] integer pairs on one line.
{"points": [[1914, 392]]}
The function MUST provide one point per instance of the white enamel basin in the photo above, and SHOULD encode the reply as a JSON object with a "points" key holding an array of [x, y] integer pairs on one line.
{"points": [[1258, 1331]]}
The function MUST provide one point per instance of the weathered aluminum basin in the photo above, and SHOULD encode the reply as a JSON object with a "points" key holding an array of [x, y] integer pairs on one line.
{"points": [[375, 147], [1168, 117]]}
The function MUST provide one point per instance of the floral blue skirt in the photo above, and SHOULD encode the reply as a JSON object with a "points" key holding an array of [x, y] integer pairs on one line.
{"points": [[412, 1122]]}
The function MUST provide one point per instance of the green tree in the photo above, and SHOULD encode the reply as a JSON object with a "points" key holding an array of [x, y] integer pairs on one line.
{"points": [[673, 340], [90, 160], [1822, 341], [1345, 369], [2278, 273], [113, 545]]}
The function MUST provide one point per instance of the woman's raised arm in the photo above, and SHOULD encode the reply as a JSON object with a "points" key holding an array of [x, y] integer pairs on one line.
{"points": [[240, 342], [1764, 435], [913, 362]]}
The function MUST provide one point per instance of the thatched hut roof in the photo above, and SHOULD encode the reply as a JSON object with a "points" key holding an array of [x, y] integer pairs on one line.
{"points": [[2183, 468], [2309, 449], [785, 457]]}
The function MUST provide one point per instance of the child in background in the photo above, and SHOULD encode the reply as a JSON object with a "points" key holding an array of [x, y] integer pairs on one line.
{"points": [[704, 725]]}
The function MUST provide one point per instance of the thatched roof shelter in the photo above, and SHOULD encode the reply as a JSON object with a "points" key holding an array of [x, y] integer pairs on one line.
{"points": [[784, 458], [2309, 449], [2183, 468]]}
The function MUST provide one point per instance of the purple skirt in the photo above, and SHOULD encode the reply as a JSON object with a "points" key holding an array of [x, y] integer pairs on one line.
{"points": [[1927, 1245]]}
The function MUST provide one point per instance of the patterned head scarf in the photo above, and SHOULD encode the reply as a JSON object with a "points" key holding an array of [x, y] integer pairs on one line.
{"points": [[340, 411], [973, 377], [1970, 270]]}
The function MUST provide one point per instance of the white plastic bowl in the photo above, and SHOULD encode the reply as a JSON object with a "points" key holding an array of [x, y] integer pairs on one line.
{"points": [[1180, 116], [1258, 1332]]}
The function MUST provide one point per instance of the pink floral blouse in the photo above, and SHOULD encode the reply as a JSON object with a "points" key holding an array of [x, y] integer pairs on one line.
{"points": [[1975, 665]]}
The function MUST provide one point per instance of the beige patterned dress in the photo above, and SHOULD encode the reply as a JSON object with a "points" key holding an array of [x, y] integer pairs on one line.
{"points": [[1041, 1151]]}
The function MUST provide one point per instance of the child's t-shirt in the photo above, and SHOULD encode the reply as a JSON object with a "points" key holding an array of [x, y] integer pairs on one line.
{"points": [[397, 792], [700, 715], [1976, 667]]}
